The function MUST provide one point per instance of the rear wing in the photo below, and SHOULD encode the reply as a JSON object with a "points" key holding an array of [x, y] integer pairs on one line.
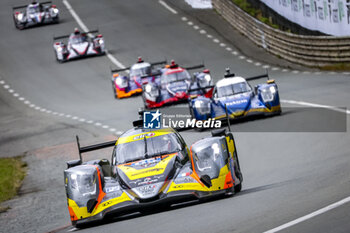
{"points": [[194, 67], [258, 77], [151, 75], [119, 70], [24, 6], [128, 68], [67, 36], [200, 88], [85, 149], [230, 75]]}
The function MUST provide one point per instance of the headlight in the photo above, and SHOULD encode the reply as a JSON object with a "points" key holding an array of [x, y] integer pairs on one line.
{"points": [[202, 107], [20, 17], [205, 81], [99, 41], [151, 90], [207, 77], [148, 88], [121, 82], [59, 49], [268, 94], [85, 183], [55, 11]]}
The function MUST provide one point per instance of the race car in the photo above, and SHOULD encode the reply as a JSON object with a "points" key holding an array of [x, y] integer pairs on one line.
{"points": [[128, 85], [35, 14], [80, 44], [234, 95], [171, 85], [150, 168]]}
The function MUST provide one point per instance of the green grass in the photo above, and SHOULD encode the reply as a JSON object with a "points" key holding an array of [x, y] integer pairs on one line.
{"points": [[337, 67], [12, 173], [244, 5]]}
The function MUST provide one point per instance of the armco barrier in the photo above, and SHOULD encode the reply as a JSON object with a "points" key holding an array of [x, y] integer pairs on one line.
{"points": [[315, 51]]}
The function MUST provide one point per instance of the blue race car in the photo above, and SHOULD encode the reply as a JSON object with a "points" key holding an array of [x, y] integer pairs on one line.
{"points": [[237, 96]]}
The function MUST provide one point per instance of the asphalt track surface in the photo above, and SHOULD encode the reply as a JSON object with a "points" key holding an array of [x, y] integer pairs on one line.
{"points": [[287, 175]]}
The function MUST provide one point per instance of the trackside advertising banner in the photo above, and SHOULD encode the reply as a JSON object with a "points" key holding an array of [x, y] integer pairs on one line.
{"points": [[328, 16]]}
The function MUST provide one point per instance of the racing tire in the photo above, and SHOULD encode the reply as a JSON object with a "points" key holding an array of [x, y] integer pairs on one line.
{"points": [[114, 91], [18, 26], [56, 20], [144, 103], [238, 188], [58, 60]]}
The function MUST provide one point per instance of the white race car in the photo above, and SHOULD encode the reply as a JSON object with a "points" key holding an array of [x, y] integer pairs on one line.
{"points": [[35, 14], [80, 44]]}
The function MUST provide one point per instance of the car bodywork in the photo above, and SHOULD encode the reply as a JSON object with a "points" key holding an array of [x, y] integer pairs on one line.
{"points": [[35, 14], [167, 171], [235, 95], [131, 84], [172, 85], [79, 45]]}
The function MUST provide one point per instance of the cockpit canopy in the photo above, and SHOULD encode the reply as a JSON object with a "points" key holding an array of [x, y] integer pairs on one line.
{"points": [[77, 39], [140, 69], [33, 8], [169, 77], [145, 146], [232, 86]]}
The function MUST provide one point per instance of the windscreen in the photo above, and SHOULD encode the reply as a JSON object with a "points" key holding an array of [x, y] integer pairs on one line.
{"points": [[173, 77], [140, 71], [146, 148], [77, 39], [33, 9], [233, 89]]}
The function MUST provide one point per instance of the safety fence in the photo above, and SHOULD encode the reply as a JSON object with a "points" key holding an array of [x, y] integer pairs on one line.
{"points": [[315, 51]]}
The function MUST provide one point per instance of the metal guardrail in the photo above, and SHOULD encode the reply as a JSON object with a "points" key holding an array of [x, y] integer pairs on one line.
{"points": [[315, 51]]}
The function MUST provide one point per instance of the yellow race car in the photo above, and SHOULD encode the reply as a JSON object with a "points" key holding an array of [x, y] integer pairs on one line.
{"points": [[150, 167]]}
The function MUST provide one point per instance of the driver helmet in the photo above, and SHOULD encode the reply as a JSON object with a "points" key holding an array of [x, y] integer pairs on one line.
{"points": [[76, 31]]}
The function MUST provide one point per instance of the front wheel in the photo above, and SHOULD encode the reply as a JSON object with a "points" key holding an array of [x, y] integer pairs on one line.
{"points": [[18, 25], [56, 19], [114, 91], [238, 188]]}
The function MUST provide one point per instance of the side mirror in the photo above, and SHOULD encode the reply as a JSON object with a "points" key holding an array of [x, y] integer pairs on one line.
{"points": [[106, 167], [73, 163], [206, 180]]}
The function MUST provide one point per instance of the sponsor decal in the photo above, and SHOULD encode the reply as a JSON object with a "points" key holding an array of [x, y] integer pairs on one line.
{"points": [[147, 189], [143, 135], [148, 180], [112, 189], [235, 102], [143, 172]]}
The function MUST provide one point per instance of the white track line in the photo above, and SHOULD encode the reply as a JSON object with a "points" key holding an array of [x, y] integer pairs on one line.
{"points": [[115, 61], [86, 29], [311, 215], [75, 16], [316, 105], [167, 7]]}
